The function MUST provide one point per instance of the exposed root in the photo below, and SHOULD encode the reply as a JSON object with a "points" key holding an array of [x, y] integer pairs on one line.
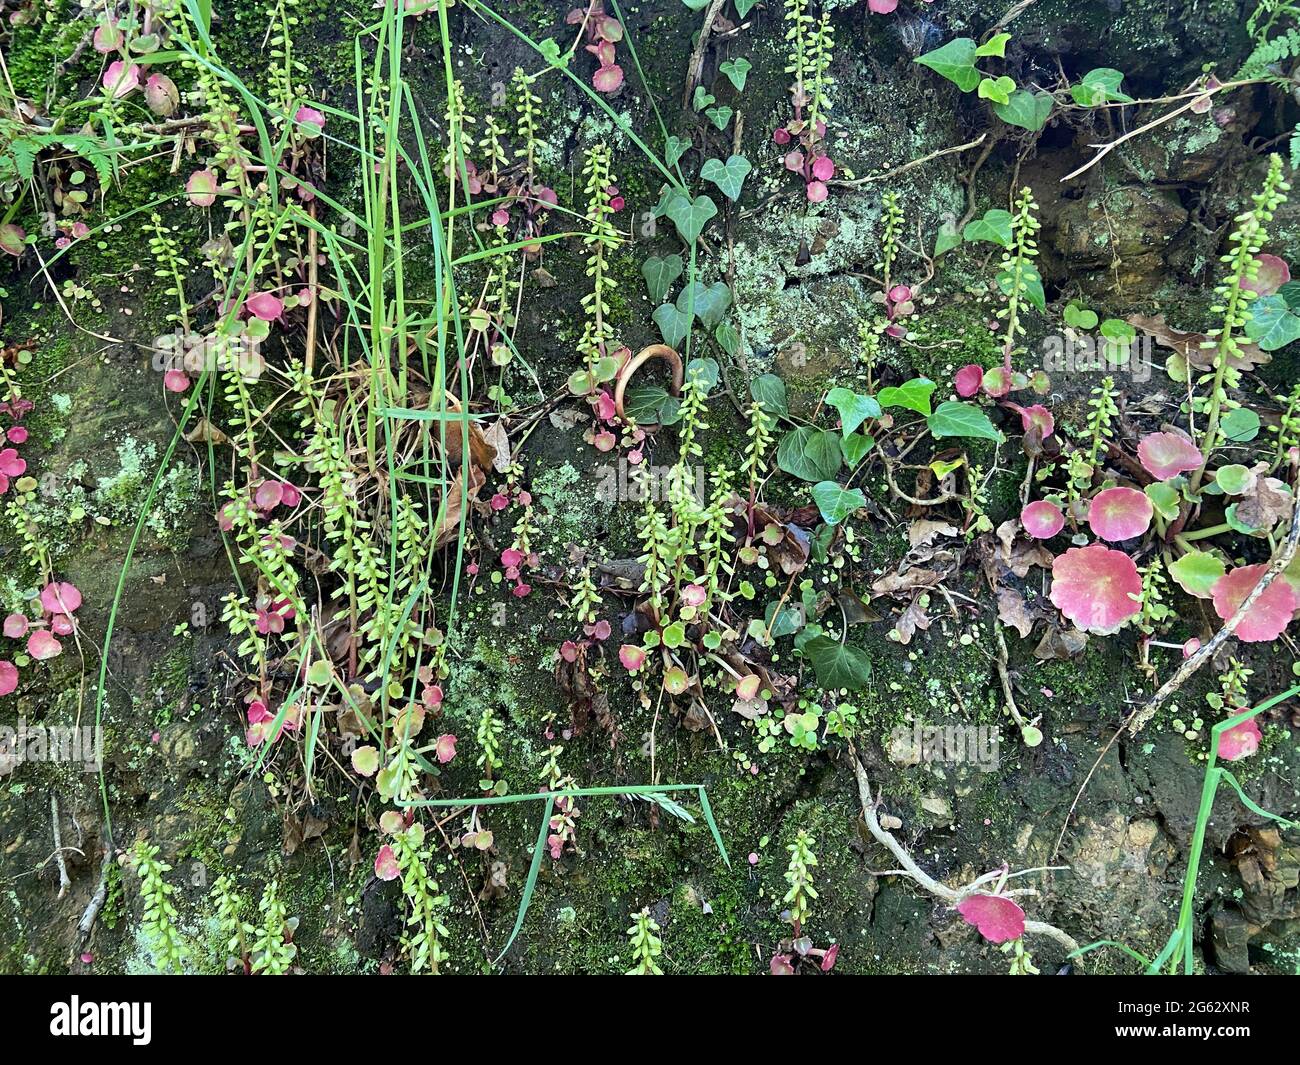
{"points": [[908, 866]]}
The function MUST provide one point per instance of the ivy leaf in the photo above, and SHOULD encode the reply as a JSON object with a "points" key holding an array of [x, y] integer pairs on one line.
{"points": [[913, 394], [854, 408], [719, 116], [1028, 110], [661, 274], [998, 90], [728, 176], [1291, 293], [837, 665], [962, 419], [728, 339], [1272, 323], [994, 46], [696, 5], [650, 405], [673, 324], [710, 301], [836, 502], [788, 621], [690, 216], [994, 227], [674, 149], [855, 448], [737, 70], [707, 370], [744, 7], [768, 391], [1100, 86], [809, 454], [956, 62], [948, 237], [702, 98]]}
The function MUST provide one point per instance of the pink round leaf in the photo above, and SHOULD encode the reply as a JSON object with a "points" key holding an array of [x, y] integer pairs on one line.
{"points": [[1120, 514], [8, 677], [632, 657], [60, 597], [16, 626], [176, 380], [1267, 617], [120, 80], [386, 867], [968, 379], [817, 191], [608, 78], [42, 645], [1165, 455], [882, 7], [446, 748], [1240, 741], [108, 38], [1035, 417], [1042, 520], [201, 188], [11, 464], [1272, 274], [310, 121], [1096, 587], [998, 919], [265, 305]]}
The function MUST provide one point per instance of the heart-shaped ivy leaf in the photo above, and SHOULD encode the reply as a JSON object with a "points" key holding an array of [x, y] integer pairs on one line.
{"points": [[1100, 86], [1272, 323], [956, 62], [768, 391], [702, 98], [994, 227], [1028, 110], [913, 394], [710, 302], [737, 70], [962, 419], [728, 176], [855, 448], [809, 454], [672, 323], [674, 149], [837, 665], [998, 90], [836, 502], [690, 216], [661, 274], [854, 408], [719, 116]]}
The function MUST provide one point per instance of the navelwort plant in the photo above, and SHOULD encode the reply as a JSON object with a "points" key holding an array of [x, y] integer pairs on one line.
{"points": [[646, 946], [1233, 305], [158, 922]]}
